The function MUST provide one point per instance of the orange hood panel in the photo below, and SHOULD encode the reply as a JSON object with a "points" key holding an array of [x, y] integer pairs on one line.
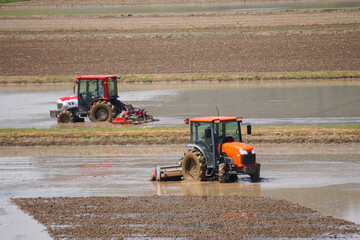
{"points": [[232, 150]]}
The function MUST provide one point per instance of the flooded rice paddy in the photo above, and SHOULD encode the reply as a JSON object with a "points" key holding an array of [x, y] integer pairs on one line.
{"points": [[294, 103], [323, 178]]}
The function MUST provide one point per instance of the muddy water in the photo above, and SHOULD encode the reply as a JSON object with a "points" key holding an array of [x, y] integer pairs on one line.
{"points": [[286, 103], [323, 178]]}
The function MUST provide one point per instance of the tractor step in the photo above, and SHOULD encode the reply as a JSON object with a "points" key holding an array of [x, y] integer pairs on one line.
{"points": [[167, 173]]}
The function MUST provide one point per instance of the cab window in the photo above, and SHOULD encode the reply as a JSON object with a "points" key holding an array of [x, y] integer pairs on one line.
{"points": [[231, 129], [112, 87], [200, 132]]}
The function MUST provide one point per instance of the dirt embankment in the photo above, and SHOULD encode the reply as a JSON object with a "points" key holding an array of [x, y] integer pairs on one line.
{"points": [[44, 137], [200, 217], [276, 41]]}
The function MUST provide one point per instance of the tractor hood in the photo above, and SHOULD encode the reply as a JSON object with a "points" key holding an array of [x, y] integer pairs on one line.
{"points": [[67, 102], [67, 98], [237, 150]]}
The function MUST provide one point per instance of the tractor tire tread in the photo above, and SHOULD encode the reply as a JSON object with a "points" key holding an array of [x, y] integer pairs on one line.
{"points": [[198, 158], [222, 173], [101, 104], [65, 117], [255, 177]]}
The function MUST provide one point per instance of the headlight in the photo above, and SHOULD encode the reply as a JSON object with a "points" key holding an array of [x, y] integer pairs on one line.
{"points": [[243, 152]]}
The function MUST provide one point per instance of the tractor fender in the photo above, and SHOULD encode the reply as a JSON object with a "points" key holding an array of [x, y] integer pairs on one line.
{"points": [[198, 148]]}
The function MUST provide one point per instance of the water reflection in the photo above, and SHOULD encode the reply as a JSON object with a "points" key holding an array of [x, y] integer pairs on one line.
{"points": [[206, 188], [327, 182], [275, 103]]}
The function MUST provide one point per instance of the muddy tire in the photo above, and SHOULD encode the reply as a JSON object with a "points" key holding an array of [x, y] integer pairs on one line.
{"points": [[65, 117], [256, 176], [74, 112], [101, 111], [222, 173], [233, 178], [193, 166]]}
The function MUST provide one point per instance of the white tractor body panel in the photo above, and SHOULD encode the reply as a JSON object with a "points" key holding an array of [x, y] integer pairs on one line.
{"points": [[67, 102]]}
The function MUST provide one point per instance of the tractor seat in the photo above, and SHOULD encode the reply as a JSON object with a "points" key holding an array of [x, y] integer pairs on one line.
{"points": [[228, 139]]}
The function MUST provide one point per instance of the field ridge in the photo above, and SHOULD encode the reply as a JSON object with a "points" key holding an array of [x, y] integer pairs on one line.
{"points": [[171, 135]]}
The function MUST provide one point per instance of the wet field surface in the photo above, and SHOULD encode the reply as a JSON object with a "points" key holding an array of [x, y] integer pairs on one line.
{"points": [[324, 178], [108, 7], [294, 103]]}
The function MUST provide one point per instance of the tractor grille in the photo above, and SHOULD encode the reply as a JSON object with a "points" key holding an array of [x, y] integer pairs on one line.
{"points": [[248, 159], [59, 106]]}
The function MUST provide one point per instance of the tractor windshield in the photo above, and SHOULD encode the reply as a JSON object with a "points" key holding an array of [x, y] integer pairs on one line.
{"points": [[230, 130], [112, 87], [201, 132]]}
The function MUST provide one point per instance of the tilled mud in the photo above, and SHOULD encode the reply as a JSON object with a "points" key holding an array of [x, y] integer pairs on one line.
{"points": [[216, 217], [199, 54], [185, 43]]}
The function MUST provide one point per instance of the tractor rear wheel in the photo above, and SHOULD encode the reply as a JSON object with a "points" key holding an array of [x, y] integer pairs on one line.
{"points": [[101, 111], [193, 165], [65, 117], [255, 177]]}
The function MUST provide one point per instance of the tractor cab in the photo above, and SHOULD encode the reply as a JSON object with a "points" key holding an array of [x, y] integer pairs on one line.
{"points": [[91, 88]]}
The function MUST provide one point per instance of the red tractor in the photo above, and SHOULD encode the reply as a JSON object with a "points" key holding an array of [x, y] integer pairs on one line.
{"points": [[97, 98]]}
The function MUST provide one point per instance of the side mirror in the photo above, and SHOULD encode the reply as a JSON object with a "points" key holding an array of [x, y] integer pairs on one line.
{"points": [[74, 89], [248, 127]]}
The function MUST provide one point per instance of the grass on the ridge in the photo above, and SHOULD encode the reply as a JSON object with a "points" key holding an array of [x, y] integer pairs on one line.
{"points": [[10, 1], [183, 130], [239, 76], [189, 77]]}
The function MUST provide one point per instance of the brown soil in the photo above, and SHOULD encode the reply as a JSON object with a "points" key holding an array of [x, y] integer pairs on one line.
{"points": [[94, 3], [147, 136], [202, 217], [276, 41]]}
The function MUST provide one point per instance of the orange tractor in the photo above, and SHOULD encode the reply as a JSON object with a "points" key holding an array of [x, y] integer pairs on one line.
{"points": [[216, 151]]}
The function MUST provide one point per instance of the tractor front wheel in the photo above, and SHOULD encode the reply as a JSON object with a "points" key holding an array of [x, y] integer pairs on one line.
{"points": [[222, 173], [65, 117], [255, 177], [193, 165], [101, 111]]}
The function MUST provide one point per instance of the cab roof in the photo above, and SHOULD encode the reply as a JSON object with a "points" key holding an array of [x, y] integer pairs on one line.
{"points": [[213, 118], [95, 76]]}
